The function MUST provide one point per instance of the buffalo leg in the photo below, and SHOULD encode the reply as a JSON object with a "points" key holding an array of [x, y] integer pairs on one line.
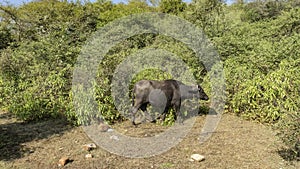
{"points": [[144, 109], [134, 110], [165, 113], [178, 115]]}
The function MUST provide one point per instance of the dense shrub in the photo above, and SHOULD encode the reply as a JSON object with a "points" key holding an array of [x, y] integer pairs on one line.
{"points": [[261, 10], [5, 36], [36, 69], [237, 74], [289, 132], [266, 98], [35, 89], [172, 6], [209, 15]]}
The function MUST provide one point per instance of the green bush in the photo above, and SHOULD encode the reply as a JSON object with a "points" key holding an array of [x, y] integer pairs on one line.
{"points": [[289, 132], [261, 10], [172, 7], [5, 36], [36, 79], [266, 98], [35, 72], [237, 73], [43, 97]]}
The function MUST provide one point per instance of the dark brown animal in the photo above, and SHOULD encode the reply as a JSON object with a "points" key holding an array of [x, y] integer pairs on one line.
{"points": [[163, 95]]}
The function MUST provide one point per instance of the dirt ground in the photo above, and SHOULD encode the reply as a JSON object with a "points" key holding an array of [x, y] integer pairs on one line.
{"points": [[235, 144]]}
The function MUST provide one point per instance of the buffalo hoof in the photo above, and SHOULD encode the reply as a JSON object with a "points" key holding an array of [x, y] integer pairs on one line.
{"points": [[179, 121], [133, 123], [153, 121]]}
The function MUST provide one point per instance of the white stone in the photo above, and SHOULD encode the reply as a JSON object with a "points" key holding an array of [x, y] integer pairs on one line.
{"points": [[197, 157], [113, 137], [89, 156], [89, 147], [110, 130]]}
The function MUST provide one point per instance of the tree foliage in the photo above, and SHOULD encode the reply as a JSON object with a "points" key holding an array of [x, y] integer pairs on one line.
{"points": [[207, 14], [174, 7]]}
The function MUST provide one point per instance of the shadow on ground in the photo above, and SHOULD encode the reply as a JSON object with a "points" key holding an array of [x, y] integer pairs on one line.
{"points": [[289, 155], [14, 134]]}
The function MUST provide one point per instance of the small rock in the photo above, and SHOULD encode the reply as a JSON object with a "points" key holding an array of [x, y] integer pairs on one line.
{"points": [[114, 138], [103, 127], [89, 147], [88, 156], [110, 130], [191, 160], [197, 157], [63, 161]]}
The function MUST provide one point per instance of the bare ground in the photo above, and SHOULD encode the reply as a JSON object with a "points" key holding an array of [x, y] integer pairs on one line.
{"points": [[235, 144]]}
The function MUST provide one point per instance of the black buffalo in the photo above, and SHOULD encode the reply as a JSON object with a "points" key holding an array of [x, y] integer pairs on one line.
{"points": [[164, 94]]}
